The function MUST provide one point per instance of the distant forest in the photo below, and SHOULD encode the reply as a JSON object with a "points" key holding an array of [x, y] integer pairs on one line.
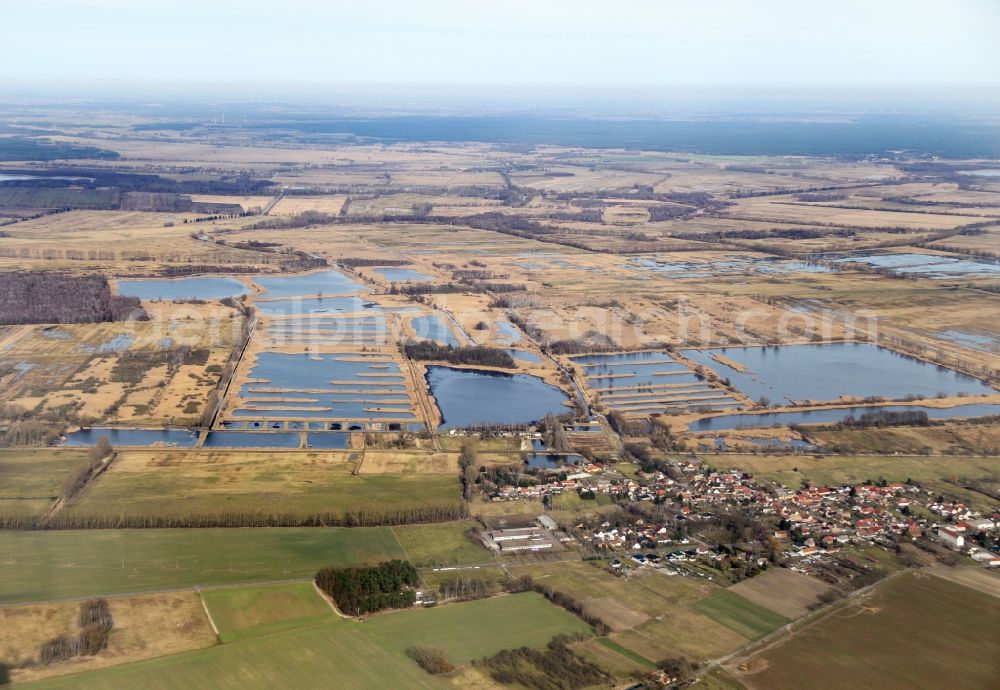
{"points": [[33, 297], [33, 149]]}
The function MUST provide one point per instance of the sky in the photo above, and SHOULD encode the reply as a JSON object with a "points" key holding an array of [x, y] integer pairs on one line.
{"points": [[530, 44]]}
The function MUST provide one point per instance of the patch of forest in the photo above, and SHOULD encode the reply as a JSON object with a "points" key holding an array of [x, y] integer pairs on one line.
{"points": [[366, 590], [37, 297], [428, 350]]}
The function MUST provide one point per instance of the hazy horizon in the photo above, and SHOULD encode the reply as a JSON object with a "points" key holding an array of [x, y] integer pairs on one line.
{"points": [[555, 49]]}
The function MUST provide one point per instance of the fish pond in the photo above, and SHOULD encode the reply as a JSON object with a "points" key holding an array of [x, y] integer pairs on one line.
{"points": [[307, 284], [831, 416], [169, 289], [330, 386], [179, 438], [402, 275], [470, 397], [433, 328], [830, 371]]}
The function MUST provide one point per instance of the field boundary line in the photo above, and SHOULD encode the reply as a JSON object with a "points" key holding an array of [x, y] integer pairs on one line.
{"points": [[204, 606]]}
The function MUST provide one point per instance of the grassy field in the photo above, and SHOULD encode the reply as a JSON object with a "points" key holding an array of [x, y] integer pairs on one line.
{"points": [[443, 543], [145, 626], [30, 479], [40, 566], [475, 629], [334, 652], [915, 631], [328, 654], [247, 611], [739, 614], [176, 484]]}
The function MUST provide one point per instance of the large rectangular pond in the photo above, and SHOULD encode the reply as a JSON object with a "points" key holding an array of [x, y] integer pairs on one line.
{"points": [[167, 289], [470, 397], [756, 421], [832, 370], [329, 386], [402, 275], [252, 439], [179, 438], [647, 382], [308, 284], [316, 305]]}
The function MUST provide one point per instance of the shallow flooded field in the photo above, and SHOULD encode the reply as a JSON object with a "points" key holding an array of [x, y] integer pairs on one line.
{"points": [[831, 370], [433, 328], [934, 266]]}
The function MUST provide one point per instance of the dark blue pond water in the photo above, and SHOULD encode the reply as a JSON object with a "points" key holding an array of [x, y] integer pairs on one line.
{"points": [[319, 283], [549, 460], [252, 439], [829, 371], [402, 275], [750, 421], [329, 386], [328, 439], [181, 438], [433, 328], [468, 397], [182, 288]]}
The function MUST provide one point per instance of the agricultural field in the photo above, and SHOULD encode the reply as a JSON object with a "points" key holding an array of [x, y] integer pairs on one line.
{"points": [[171, 486], [740, 614], [785, 592], [248, 611], [475, 629], [859, 644], [32, 479], [45, 565], [442, 543], [145, 626]]}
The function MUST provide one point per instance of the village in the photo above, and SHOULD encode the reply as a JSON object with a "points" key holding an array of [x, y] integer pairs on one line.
{"points": [[670, 513]]}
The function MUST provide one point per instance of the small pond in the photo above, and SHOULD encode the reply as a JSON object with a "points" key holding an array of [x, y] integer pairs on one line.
{"points": [[402, 275]]}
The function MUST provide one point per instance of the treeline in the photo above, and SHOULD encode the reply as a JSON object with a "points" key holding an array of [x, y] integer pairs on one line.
{"points": [[428, 350], [881, 418], [299, 220], [358, 262], [95, 631], [358, 591], [374, 516], [37, 149], [555, 668], [427, 289], [36, 297]]}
